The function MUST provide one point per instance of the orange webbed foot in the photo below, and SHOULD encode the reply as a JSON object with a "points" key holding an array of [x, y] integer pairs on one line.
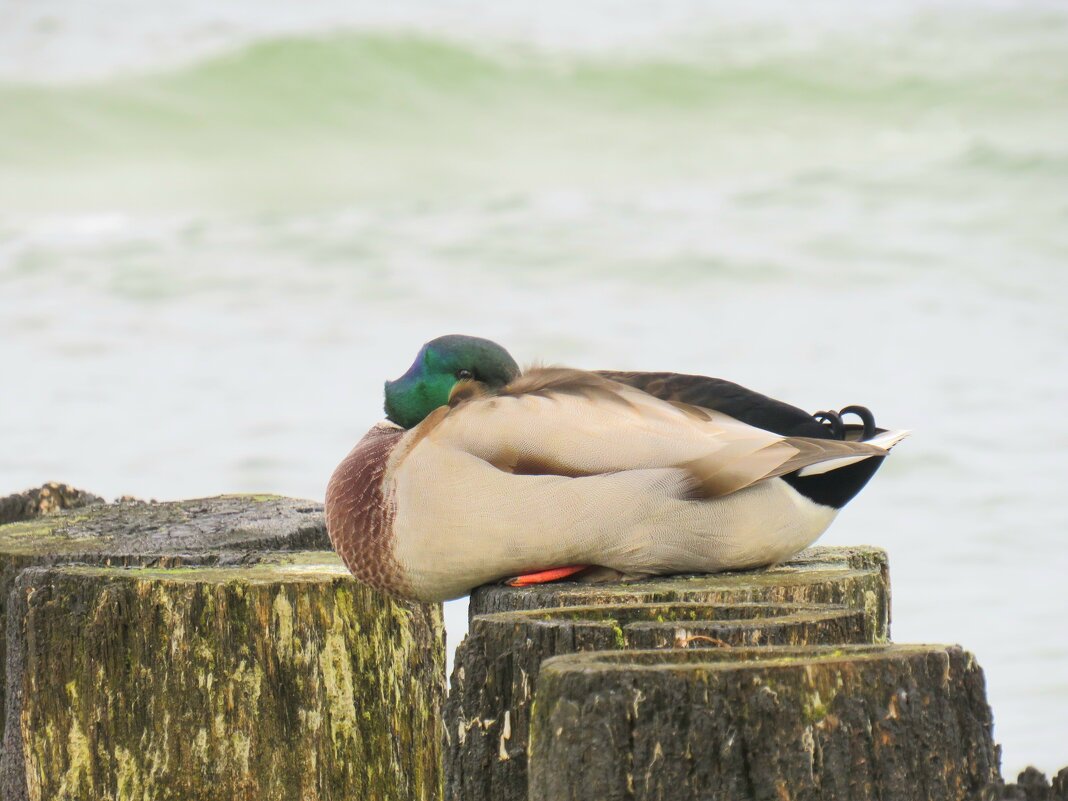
{"points": [[545, 576]]}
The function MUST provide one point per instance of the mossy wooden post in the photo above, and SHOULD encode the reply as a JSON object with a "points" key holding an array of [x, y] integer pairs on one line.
{"points": [[199, 653], [227, 529], [834, 596], [887, 722]]}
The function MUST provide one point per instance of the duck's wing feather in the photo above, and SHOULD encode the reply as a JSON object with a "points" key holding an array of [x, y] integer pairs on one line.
{"points": [[725, 396], [554, 421]]}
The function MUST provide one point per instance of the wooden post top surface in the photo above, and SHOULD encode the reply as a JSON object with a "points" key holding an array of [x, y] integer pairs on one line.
{"points": [[197, 527], [857, 577]]}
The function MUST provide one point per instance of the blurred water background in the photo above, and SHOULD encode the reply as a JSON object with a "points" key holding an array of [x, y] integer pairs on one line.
{"points": [[222, 228]]}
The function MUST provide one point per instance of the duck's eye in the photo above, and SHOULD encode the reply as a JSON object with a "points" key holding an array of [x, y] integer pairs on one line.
{"points": [[464, 374]]}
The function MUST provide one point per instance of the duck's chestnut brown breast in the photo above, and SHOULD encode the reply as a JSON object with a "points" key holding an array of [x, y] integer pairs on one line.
{"points": [[360, 510]]}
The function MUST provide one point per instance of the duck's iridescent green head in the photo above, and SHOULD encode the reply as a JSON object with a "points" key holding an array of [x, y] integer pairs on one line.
{"points": [[441, 364]]}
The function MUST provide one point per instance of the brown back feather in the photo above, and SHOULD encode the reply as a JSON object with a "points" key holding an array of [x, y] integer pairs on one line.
{"points": [[547, 381]]}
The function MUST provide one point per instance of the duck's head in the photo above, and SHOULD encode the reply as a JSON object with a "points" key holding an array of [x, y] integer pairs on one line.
{"points": [[441, 364]]}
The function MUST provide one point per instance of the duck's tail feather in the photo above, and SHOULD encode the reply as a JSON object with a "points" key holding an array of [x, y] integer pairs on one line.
{"points": [[885, 440], [888, 439], [835, 482]]}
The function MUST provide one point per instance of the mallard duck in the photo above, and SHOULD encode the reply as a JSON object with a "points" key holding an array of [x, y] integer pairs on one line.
{"points": [[483, 473]]}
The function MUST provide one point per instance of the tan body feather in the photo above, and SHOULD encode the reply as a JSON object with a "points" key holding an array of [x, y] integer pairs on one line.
{"points": [[564, 467]]}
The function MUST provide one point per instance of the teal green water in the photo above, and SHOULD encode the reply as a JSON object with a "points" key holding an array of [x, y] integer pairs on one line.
{"points": [[353, 107], [221, 231]]}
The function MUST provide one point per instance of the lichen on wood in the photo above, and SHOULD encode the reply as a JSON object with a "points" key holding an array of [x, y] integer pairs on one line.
{"points": [[285, 680]]}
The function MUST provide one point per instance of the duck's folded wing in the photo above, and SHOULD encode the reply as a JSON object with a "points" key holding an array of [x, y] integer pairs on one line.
{"points": [[724, 396], [562, 422]]}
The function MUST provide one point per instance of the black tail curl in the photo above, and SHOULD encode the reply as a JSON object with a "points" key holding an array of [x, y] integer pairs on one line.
{"points": [[833, 420]]}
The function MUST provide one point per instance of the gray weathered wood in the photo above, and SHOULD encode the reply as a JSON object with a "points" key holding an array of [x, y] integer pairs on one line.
{"points": [[203, 529], [841, 723], [824, 597], [856, 576]]}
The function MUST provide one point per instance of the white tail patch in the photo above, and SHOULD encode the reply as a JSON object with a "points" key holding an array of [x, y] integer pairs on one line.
{"points": [[886, 441]]}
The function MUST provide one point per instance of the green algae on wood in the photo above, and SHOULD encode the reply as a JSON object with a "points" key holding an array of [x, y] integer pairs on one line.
{"points": [[233, 529], [283, 680]]}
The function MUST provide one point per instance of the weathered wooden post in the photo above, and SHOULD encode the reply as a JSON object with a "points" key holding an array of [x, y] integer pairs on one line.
{"points": [[226, 529], [843, 723], [856, 577], [215, 649], [196, 650], [830, 596]]}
